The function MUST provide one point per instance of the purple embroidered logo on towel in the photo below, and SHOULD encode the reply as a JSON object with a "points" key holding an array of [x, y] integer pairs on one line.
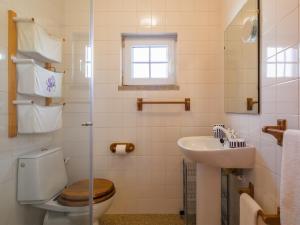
{"points": [[51, 84]]}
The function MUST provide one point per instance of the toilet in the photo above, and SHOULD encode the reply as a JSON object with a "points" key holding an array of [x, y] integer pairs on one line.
{"points": [[42, 183]]}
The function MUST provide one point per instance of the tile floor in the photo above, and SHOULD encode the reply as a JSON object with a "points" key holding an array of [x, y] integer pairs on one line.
{"points": [[141, 219]]}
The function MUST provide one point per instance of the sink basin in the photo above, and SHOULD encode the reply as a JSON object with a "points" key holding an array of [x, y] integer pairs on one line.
{"points": [[211, 156], [209, 151]]}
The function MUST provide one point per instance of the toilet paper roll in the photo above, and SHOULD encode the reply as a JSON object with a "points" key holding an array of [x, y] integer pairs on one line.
{"points": [[121, 150]]}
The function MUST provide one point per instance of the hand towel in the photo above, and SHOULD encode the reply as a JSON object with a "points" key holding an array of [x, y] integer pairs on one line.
{"points": [[290, 179], [248, 210]]}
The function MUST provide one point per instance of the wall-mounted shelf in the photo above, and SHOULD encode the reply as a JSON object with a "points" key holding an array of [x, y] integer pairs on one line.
{"points": [[186, 103], [277, 131], [43, 47], [35, 119], [36, 43]]}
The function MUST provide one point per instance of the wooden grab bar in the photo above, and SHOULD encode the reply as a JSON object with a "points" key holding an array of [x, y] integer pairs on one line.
{"points": [[270, 219], [186, 103], [277, 131]]}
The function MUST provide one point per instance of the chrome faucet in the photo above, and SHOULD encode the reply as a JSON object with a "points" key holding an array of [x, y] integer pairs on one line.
{"points": [[228, 137], [222, 133]]}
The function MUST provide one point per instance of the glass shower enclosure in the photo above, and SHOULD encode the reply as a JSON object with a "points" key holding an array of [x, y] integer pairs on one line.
{"points": [[78, 131], [66, 28]]}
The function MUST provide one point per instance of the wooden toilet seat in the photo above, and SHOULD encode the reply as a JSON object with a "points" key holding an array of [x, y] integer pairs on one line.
{"points": [[77, 194]]}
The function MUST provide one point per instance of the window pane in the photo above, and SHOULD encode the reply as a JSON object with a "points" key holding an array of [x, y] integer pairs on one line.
{"points": [[140, 70], [159, 54], [140, 54], [159, 70]]}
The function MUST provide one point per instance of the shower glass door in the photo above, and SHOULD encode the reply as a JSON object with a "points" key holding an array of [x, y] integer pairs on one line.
{"points": [[78, 130]]}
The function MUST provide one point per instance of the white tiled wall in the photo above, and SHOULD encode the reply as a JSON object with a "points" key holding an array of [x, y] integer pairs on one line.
{"points": [[74, 138], [10, 212], [230, 9], [279, 95], [149, 179]]}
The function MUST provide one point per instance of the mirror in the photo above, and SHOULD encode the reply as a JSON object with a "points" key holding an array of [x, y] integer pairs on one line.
{"points": [[241, 61]]}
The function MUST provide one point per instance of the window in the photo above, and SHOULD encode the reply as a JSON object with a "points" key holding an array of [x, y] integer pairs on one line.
{"points": [[149, 59]]}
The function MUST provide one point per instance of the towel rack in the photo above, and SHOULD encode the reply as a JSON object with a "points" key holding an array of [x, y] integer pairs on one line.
{"points": [[270, 219], [277, 131], [30, 102], [20, 19], [186, 103], [48, 66], [21, 61], [248, 190]]}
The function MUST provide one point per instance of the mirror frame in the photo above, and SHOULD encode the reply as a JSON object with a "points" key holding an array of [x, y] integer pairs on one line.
{"points": [[259, 57]]}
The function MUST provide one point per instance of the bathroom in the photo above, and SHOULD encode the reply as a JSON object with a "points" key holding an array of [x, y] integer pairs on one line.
{"points": [[126, 132]]}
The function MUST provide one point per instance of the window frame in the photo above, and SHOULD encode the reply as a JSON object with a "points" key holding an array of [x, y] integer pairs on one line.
{"points": [[130, 41]]}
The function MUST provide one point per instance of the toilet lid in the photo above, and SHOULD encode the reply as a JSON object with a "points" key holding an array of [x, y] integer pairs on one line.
{"points": [[79, 191]]}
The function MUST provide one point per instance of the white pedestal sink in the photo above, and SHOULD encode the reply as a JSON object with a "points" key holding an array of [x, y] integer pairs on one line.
{"points": [[211, 156]]}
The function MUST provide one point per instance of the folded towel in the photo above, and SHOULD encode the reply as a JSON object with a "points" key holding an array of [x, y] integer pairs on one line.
{"points": [[248, 210], [290, 179]]}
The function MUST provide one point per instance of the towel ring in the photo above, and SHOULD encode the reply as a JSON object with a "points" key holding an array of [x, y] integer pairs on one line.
{"points": [[269, 219]]}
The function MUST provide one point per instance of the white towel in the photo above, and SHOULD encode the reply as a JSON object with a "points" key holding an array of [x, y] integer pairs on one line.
{"points": [[248, 210], [290, 179]]}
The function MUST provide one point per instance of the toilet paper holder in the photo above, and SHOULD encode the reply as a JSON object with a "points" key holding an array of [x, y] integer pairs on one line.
{"points": [[129, 147], [270, 219]]}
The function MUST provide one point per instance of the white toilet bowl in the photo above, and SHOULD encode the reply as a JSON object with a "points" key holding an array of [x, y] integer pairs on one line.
{"points": [[57, 214], [42, 175]]}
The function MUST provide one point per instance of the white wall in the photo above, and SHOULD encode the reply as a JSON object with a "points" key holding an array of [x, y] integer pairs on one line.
{"points": [[279, 95], [149, 179], [10, 212], [74, 138]]}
